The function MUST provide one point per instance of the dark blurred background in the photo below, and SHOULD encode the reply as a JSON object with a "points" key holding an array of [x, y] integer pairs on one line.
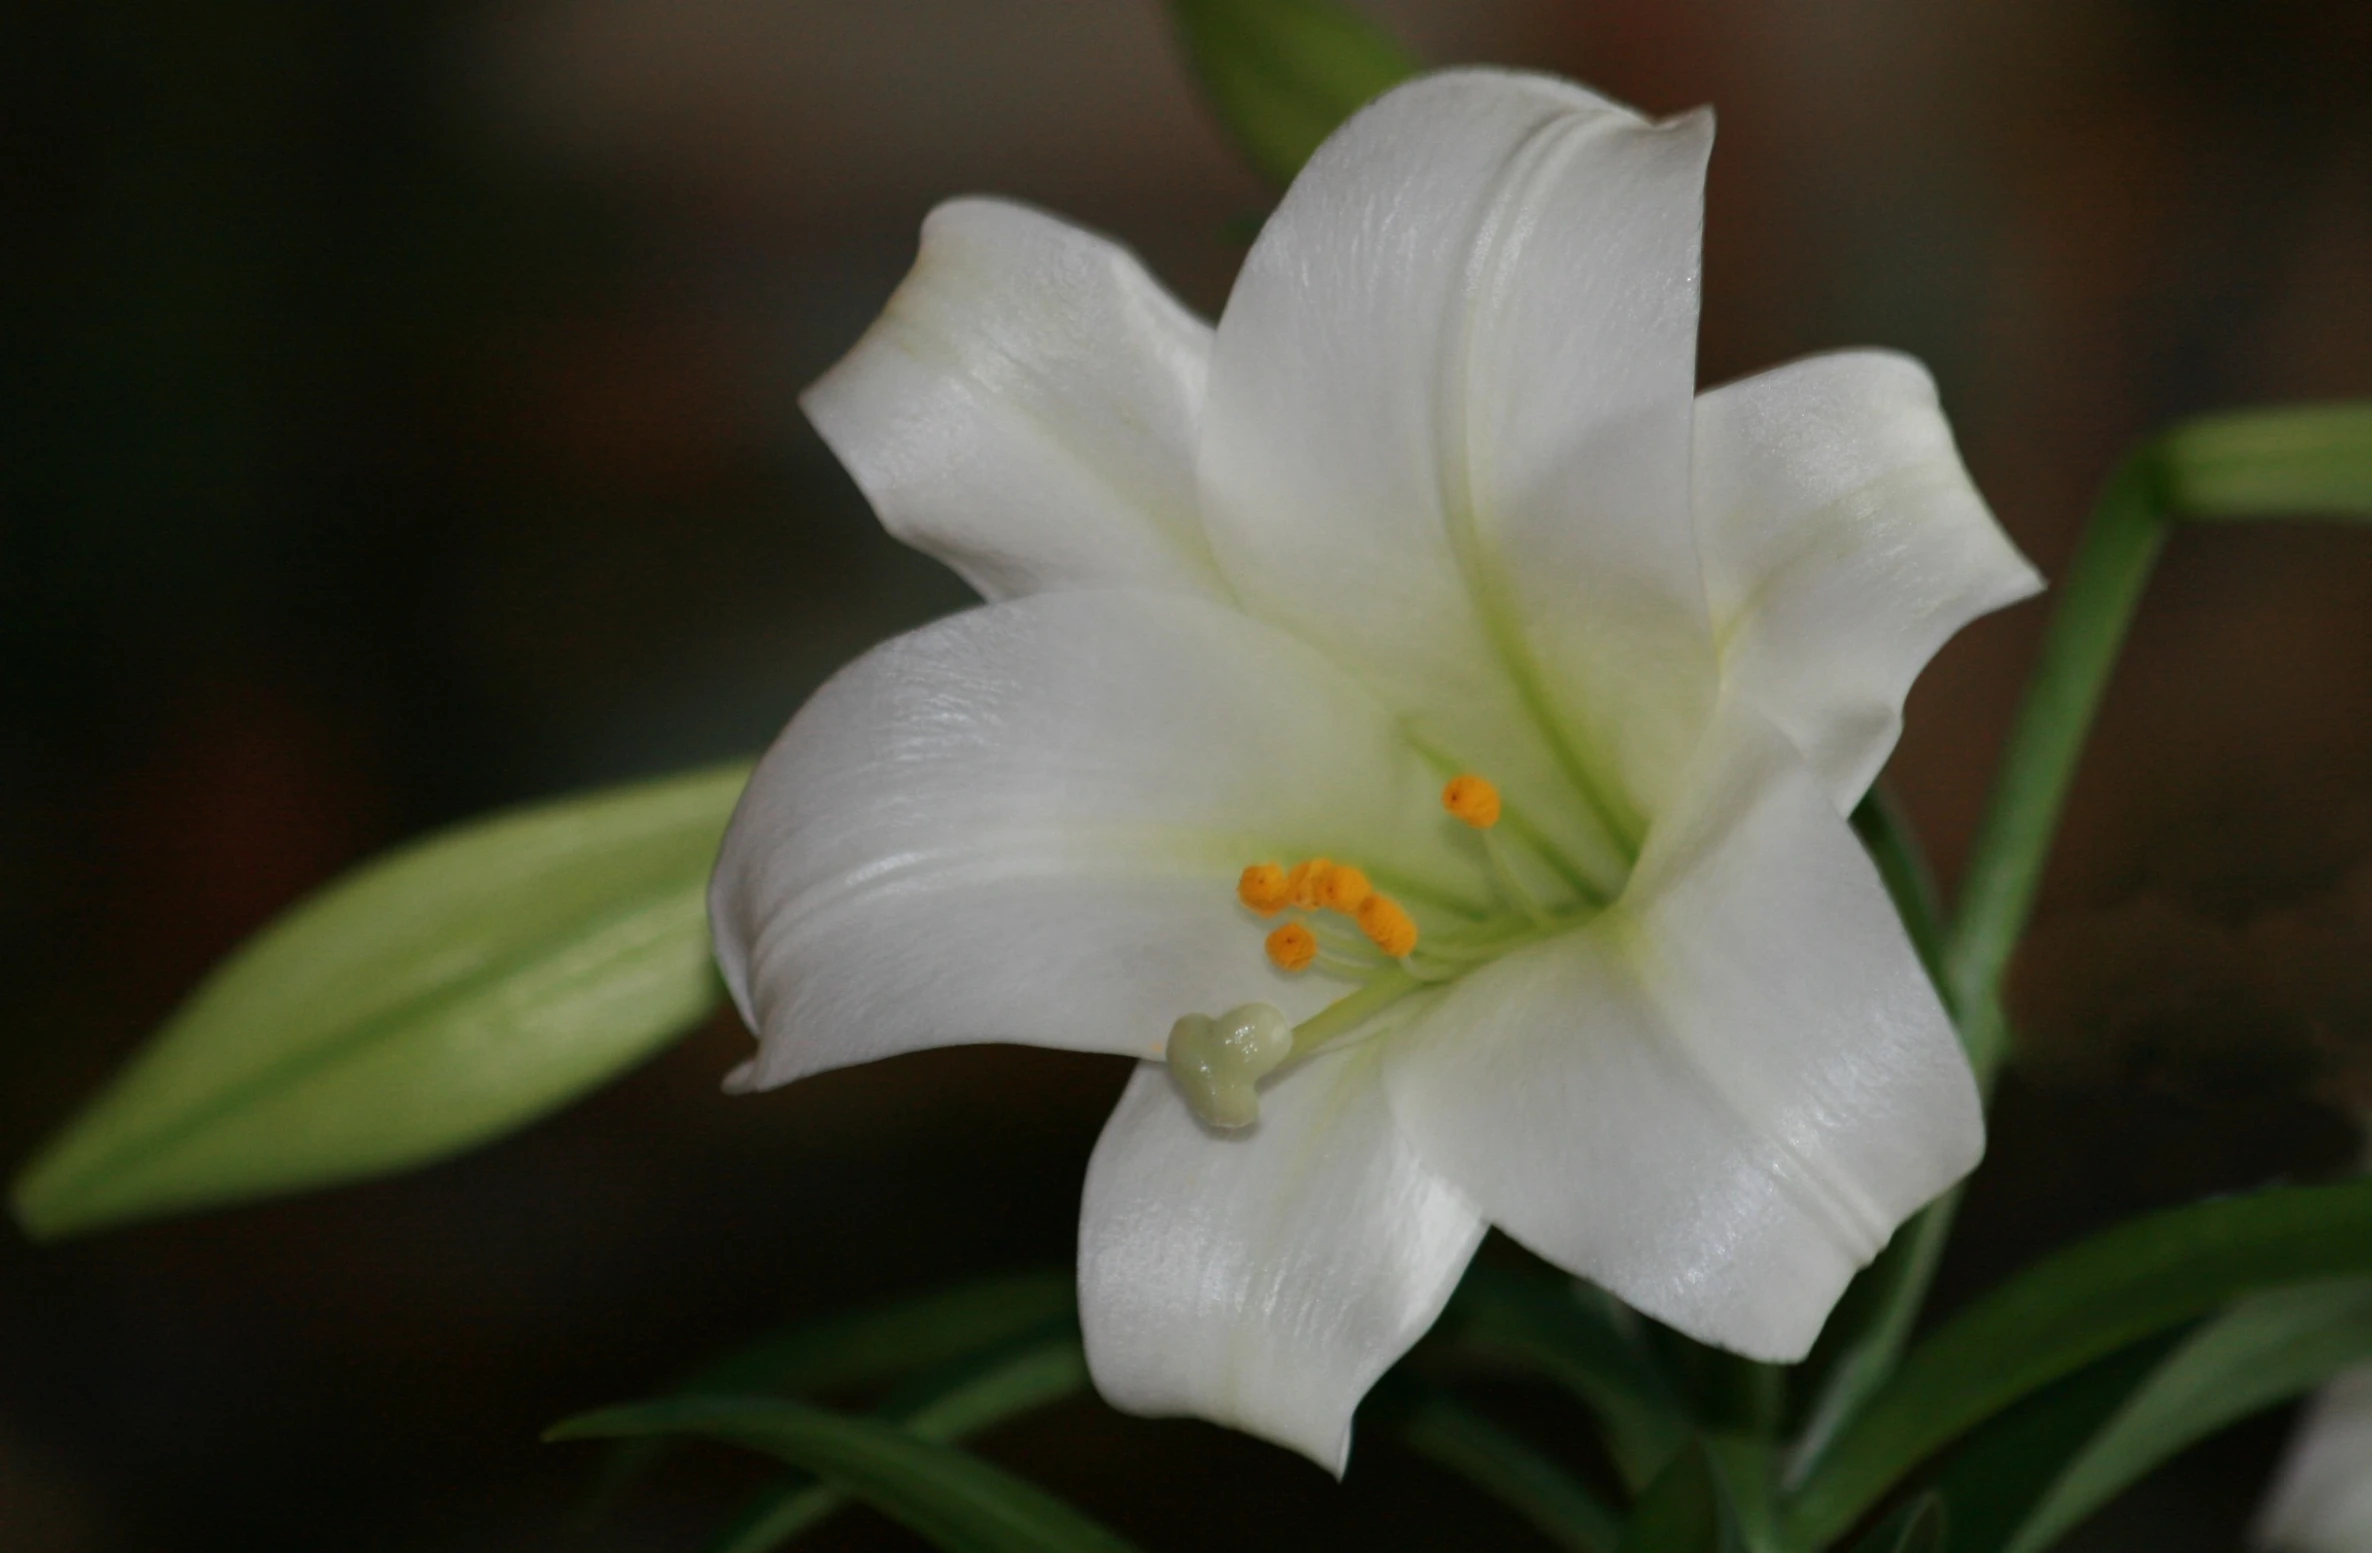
{"points": [[396, 420]]}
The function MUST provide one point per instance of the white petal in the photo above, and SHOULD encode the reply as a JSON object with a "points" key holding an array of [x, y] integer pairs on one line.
{"points": [[1264, 1279], [1843, 544], [1720, 1098], [2321, 1500], [1447, 432], [1025, 409], [1025, 823]]}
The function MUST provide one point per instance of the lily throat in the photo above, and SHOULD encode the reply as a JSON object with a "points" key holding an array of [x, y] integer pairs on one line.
{"points": [[1340, 925]]}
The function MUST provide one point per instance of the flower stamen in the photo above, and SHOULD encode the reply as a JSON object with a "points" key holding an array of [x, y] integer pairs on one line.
{"points": [[1472, 799], [1342, 940], [1343, 888], [1387, 926], [1511, 883], [1264, 888], [1344, 927], [1293, 947], [1301, 885]]}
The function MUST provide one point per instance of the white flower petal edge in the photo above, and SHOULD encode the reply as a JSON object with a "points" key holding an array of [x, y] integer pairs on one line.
{"points": [[1720, 1097], [1025, 823], [2321, 1500], [1264, 1280], [1026, 409], [1843, 543], [1447, 432]]}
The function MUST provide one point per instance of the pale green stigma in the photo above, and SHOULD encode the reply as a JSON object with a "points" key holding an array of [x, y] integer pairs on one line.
{"points": [[1218, 1063]]}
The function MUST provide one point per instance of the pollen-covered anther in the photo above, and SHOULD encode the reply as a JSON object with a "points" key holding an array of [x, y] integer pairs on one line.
{"points": [[1387, 926], [1303, 883], [1472, 799], [1293, 947], [1344, 889], [1265, 888]]}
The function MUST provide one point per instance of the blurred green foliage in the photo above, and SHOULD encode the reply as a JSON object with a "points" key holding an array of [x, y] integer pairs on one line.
{"points": [[1281, 74]]}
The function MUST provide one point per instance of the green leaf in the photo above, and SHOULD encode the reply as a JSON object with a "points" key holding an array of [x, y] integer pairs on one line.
{"points": [[957, 1501], [1444, 1430], [1994, 1479], [1871, 1326], [2119, 1287], [1744, 1462], [867, 1347], [1570, 1334], [977, 1394], [1281, 74], [2260, 1352], [1683, 1511], [442, 995], [1918, 1527]]}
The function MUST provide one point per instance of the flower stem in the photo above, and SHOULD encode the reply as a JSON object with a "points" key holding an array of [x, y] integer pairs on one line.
{"points": [[2302, 460], [2097, 601]]}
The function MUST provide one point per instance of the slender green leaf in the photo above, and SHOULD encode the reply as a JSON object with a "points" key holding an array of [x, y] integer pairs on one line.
{"points": [[1683, 1511], [2002, 1470], [1281, 74], [1873, 1323], [977, 1394], [1569, 1334], [957, 1501], [442, 995], [1444, 1430], [2260, 1352], [2117, 1288], [1918, 1527], [868, 1347], [1746, 1466]]}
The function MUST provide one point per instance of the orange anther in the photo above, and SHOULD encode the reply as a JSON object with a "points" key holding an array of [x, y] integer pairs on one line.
{"points": [[1386, 925], [1344, 889], [1264, 888], [1306, 878], [1293, 947], [1472, 799]]}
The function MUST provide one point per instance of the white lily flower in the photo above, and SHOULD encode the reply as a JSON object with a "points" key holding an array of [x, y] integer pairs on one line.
{"points": [[2321, 1499], [1435, 500]]}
